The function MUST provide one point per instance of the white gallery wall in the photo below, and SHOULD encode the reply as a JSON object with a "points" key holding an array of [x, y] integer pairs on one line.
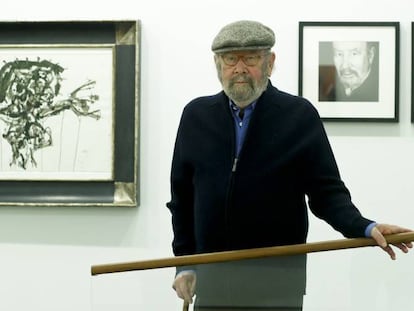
{"points": [[46, 252]]}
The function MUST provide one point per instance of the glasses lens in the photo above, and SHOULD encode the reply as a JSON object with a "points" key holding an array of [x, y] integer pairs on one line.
{"points": [[230, 59], [251, 60]]}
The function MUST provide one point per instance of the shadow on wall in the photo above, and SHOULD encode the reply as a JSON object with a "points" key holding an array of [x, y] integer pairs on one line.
{"points": [[78, 226], [362, 129]]}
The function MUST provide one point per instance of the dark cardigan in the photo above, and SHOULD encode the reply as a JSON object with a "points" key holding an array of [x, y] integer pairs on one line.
{"points": [[286, 157]]}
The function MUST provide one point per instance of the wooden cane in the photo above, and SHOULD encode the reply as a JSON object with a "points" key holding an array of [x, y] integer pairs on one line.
{"points": [[185, 305], [287, 250]]}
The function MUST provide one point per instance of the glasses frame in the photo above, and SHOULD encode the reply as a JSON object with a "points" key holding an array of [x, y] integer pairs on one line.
{"points": [[256, 58]]}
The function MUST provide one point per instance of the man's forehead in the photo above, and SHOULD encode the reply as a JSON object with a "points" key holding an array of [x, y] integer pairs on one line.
{"points": [[349, 45]]}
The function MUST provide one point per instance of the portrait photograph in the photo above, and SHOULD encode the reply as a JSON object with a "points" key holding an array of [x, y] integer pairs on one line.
{"points": [[349, 71]]}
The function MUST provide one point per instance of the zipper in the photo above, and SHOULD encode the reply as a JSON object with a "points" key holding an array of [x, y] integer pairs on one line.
{"points": [[229, 195], [234, 167], [230, 189], [228, 203]]}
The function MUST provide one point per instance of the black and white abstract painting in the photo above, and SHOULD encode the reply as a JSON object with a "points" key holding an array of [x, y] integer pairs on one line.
{"points": [[56, 113]]}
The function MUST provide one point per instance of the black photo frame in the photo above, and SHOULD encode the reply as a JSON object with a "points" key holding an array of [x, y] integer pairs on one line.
{"points": [[412, 72], [350, 70]]}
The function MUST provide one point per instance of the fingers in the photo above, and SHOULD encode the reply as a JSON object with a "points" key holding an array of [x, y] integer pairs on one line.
{"points": [[378, 232], [184, 285], [403, 247], [390, 252], [391, 229], [378, 237]]}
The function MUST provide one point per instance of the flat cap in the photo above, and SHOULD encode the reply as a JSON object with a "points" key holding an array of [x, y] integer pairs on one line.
{"points": [[243, 35]]}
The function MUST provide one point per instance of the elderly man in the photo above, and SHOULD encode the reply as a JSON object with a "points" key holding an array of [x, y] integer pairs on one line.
{"points": [[244, 162]]}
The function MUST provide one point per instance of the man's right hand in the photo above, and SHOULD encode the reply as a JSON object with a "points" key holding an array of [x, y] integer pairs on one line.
{"points": [[184, 285]]}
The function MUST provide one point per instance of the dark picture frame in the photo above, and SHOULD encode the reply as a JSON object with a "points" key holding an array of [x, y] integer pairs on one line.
{"points": [[350, 70], [412, 72], [69, 111]]}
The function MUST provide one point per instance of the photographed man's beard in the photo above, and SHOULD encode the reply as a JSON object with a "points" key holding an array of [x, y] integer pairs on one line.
{"points": [[247, 92], [351, 79]]}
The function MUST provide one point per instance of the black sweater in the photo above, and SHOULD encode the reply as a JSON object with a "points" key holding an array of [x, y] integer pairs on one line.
{"points": [[286, 157]]}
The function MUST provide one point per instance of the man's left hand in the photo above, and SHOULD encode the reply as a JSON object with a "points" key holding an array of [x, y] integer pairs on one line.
{"points": [[378, 232]]}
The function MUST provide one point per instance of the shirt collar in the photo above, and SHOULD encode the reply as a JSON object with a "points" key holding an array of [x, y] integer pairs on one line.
{"points": [[235, 108]]}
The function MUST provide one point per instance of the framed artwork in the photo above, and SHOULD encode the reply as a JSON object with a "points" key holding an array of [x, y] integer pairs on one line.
{"points": [[69, 103], [350, 70]]}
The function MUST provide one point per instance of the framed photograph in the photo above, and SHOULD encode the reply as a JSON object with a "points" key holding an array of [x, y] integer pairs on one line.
{"points": [[350, 70], [69, 103]]}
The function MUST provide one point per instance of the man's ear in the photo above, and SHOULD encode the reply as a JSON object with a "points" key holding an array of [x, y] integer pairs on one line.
{"points": [[271, 63], [371, 54]]}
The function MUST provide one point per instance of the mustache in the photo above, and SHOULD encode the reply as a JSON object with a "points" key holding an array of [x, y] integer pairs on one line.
{"points": [[239, 79], [348, 72]]}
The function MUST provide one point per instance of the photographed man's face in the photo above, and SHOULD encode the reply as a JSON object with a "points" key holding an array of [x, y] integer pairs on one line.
{"points": [[353, 61]]}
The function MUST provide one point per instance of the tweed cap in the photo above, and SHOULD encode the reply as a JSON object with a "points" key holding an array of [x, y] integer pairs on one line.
{"points": [[243, 35]]}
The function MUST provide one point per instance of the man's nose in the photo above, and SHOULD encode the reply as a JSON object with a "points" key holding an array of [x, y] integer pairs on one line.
{"points": [[240, 66], [346, 62]]}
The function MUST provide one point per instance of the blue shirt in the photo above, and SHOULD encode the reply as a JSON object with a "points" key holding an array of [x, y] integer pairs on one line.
{"points": [[241, 123]]}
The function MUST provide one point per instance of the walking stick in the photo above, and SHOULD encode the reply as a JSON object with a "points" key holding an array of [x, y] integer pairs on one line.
{"points": [[286, 250]]}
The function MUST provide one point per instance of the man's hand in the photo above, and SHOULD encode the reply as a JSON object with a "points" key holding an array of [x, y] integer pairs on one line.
{"points": [[184, 284], [378, 232]]}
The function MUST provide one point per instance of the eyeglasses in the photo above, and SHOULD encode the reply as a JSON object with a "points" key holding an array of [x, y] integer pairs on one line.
{"points": [[231, 59]]}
